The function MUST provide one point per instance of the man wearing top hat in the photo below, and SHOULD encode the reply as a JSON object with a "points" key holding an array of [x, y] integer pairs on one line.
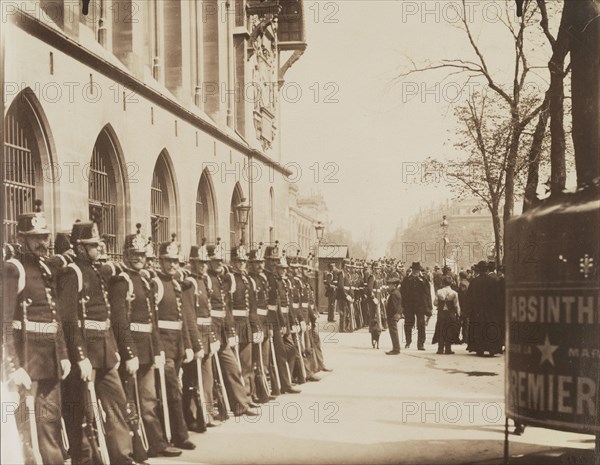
{"points": [[30, 311], [87, 316], [132, 302], [174, 335], [485, 325], [198, 295], [417, 303], [223, 322], [277, 306]]}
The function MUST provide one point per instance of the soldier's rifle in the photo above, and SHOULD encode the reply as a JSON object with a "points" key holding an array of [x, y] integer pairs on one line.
{"points": [[276, 378], [222, 383], [201, 398]]}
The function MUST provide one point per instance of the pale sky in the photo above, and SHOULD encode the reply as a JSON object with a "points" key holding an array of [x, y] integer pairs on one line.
{"points": [[368, 127]]}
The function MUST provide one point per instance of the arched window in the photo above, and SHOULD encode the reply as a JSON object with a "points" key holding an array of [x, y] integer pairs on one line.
{"points": [[235, 229], [23, 178], [163, 209], [106, 194], [205, 210]]}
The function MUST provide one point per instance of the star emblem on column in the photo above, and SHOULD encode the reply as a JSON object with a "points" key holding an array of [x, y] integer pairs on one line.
{"points": [[547, 350]]}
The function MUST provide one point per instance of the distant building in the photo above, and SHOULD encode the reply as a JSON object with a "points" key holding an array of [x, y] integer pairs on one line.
{"points": [[305, 212], [160, 112], [470, 235]]}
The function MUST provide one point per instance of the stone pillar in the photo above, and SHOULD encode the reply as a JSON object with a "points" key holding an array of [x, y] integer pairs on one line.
{"points": [[212, 59], [127, 34], [177, 44]]}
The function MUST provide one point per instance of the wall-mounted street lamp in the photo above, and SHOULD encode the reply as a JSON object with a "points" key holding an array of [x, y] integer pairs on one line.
{"points": [[242, 211]]}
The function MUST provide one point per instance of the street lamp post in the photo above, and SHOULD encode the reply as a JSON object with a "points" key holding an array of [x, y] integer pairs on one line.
{"points": [[444, 226], [242, 211], [319, 229]]}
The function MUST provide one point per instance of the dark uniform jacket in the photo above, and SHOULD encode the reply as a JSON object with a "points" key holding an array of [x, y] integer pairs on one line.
{"points": [[46, 349], [261, 300], [416, 295], [94, 342], [220, 309], [168, 295], [283, 300], [196, 295], [240, 303], [274, 316], [340, 292], [138, 314]]}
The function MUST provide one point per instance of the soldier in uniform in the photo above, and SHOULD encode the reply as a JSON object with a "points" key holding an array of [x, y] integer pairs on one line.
{"points": [[260, 282], [277, 306], [223, 322], [87, 315], [330, 285], [198, 295], [132, 299], [174, 336], [241, 293], [416, 299], [300, 309], [30, 307], [290, 315], [342, 303]]}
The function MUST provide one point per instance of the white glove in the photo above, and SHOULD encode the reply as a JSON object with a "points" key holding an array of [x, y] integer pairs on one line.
{"points": [[284, 330], [65, 365], [159, 360], [215, 346], [295, 329], [256, 338], [86, 369], [118, 360], [303, 325], [189, 356], [232, 341], [200, 354], [21, 378], [132, 366]]}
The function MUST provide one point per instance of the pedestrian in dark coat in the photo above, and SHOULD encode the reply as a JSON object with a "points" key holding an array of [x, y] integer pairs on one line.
{"points": [[484, 317]]}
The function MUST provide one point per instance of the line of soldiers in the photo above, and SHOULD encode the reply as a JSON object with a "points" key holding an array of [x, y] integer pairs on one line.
{"points": [[358, 289], [95, 348]]}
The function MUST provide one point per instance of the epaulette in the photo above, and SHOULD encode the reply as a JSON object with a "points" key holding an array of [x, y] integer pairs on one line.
{"points": [[192, 283], [160, 288], [79, 275], [233, 287], [21, 270]]}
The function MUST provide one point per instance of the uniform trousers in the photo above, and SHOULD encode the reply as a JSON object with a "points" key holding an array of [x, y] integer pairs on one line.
{"points": [[174, 400], [148, 405], [316, 344], [344, 311], [232, 377], [331, 308], [110, 393], [245, 351], [285, 354], [46, 394], [191, 407]]}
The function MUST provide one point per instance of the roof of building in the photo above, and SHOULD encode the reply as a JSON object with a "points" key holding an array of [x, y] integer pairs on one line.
{"points": [[333, 251]]}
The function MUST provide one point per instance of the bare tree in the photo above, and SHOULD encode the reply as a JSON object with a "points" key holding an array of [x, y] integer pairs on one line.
{"points": [[485, 139], [522, 111]]}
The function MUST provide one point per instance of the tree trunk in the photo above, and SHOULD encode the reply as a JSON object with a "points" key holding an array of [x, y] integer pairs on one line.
{"points": [[511, 167], [535, 154], [583, 17], [495, 211]]}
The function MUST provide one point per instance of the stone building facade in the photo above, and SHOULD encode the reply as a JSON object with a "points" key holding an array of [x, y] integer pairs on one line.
{"points": [[470, 235], [163, 112]]}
